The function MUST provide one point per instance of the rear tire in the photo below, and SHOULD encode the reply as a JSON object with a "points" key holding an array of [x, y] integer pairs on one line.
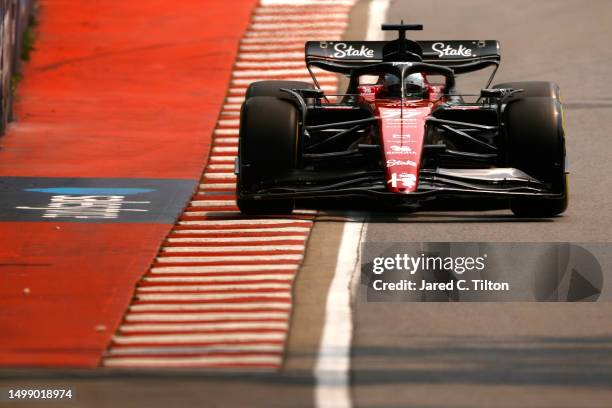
{"points": [[269, 128], [273, 88], [535, 144]]}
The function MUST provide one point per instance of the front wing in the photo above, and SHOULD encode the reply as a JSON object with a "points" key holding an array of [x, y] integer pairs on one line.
{"points": [[433, 184]]}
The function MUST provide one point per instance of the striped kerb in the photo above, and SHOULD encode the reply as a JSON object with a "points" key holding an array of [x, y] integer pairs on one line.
{"points": [[219, 292]]}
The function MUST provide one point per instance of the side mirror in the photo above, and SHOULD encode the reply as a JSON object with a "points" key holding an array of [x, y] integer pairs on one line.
{"points": [[495, 92]]}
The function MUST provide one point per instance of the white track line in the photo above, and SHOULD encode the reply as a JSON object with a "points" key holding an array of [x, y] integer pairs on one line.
{"points": [[221, 269], [224, 166], [254, 223], [307, 24], [272, 55], [308, 2], [229, 258], [233, 286], [333, 362], [271, 64], [197, 338], [222, 159], [250, 248], [225, 122], [300, 238], [178, 327], [306, 34], [226, 348], [240, 231], [201, 317], [220, 279], [181, 307], [268, 72], [191, 361], [285, 18], [322, 80], [213, 296], [212, 203]]}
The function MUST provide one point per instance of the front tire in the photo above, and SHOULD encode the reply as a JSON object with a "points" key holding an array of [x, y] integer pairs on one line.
{"points": [[268, 150], [535, 144]]}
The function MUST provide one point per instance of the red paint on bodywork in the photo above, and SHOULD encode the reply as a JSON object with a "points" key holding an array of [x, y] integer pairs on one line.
{"points": [[401, 125], [402, 135]]}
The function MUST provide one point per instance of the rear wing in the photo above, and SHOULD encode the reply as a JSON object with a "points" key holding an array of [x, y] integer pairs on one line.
{"points": [[462, 56], [449, 53]]}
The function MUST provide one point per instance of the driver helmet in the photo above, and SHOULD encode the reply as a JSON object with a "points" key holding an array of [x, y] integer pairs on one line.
{"points": [[415, 86]]}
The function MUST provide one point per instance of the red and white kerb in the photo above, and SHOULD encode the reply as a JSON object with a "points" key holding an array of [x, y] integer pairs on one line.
{"points": [[219, 292]]}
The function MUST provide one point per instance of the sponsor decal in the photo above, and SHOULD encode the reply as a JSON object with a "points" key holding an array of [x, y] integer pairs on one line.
{"points": [[401, 150], [395, 114], [343, 50], [87, 206], [392, 163], [407, 180], [93, 199], [404, 136], [445, 50]]}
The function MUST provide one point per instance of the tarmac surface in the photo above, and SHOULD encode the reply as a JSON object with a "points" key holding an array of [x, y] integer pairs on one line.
{"points": [[504, 354], [443, 354]]}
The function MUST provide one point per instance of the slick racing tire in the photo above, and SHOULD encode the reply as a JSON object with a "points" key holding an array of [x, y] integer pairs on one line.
{"points": [[268, 149], [535, 144], [273, 88]]}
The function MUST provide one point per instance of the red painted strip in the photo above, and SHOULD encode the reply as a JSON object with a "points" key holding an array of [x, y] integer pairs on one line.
{"points": [[202, 343], [192, 217], [217, 354], [222, 274], [199, 321], [252, 310], [242, 300], [216, 331], [261, 228], [66, 267], [300, 10], [170, 255], [298, 241], [226, 291], [100, 98], [199, 196], [229, 234], [236, 283], [201, 354]]}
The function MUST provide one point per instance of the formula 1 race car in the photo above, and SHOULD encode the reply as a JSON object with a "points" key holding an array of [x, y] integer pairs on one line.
{"points": [[401, 132]]}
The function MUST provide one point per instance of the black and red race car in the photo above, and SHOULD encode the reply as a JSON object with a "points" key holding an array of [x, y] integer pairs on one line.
{"points": [[402, 132]]}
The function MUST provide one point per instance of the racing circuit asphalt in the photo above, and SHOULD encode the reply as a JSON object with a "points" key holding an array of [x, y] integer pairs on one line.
{"points": [[446, 354], [504, 354]]}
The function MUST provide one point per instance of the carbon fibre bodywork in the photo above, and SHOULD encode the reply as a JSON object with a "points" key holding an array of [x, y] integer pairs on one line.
{"points": [[398, 147]]}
